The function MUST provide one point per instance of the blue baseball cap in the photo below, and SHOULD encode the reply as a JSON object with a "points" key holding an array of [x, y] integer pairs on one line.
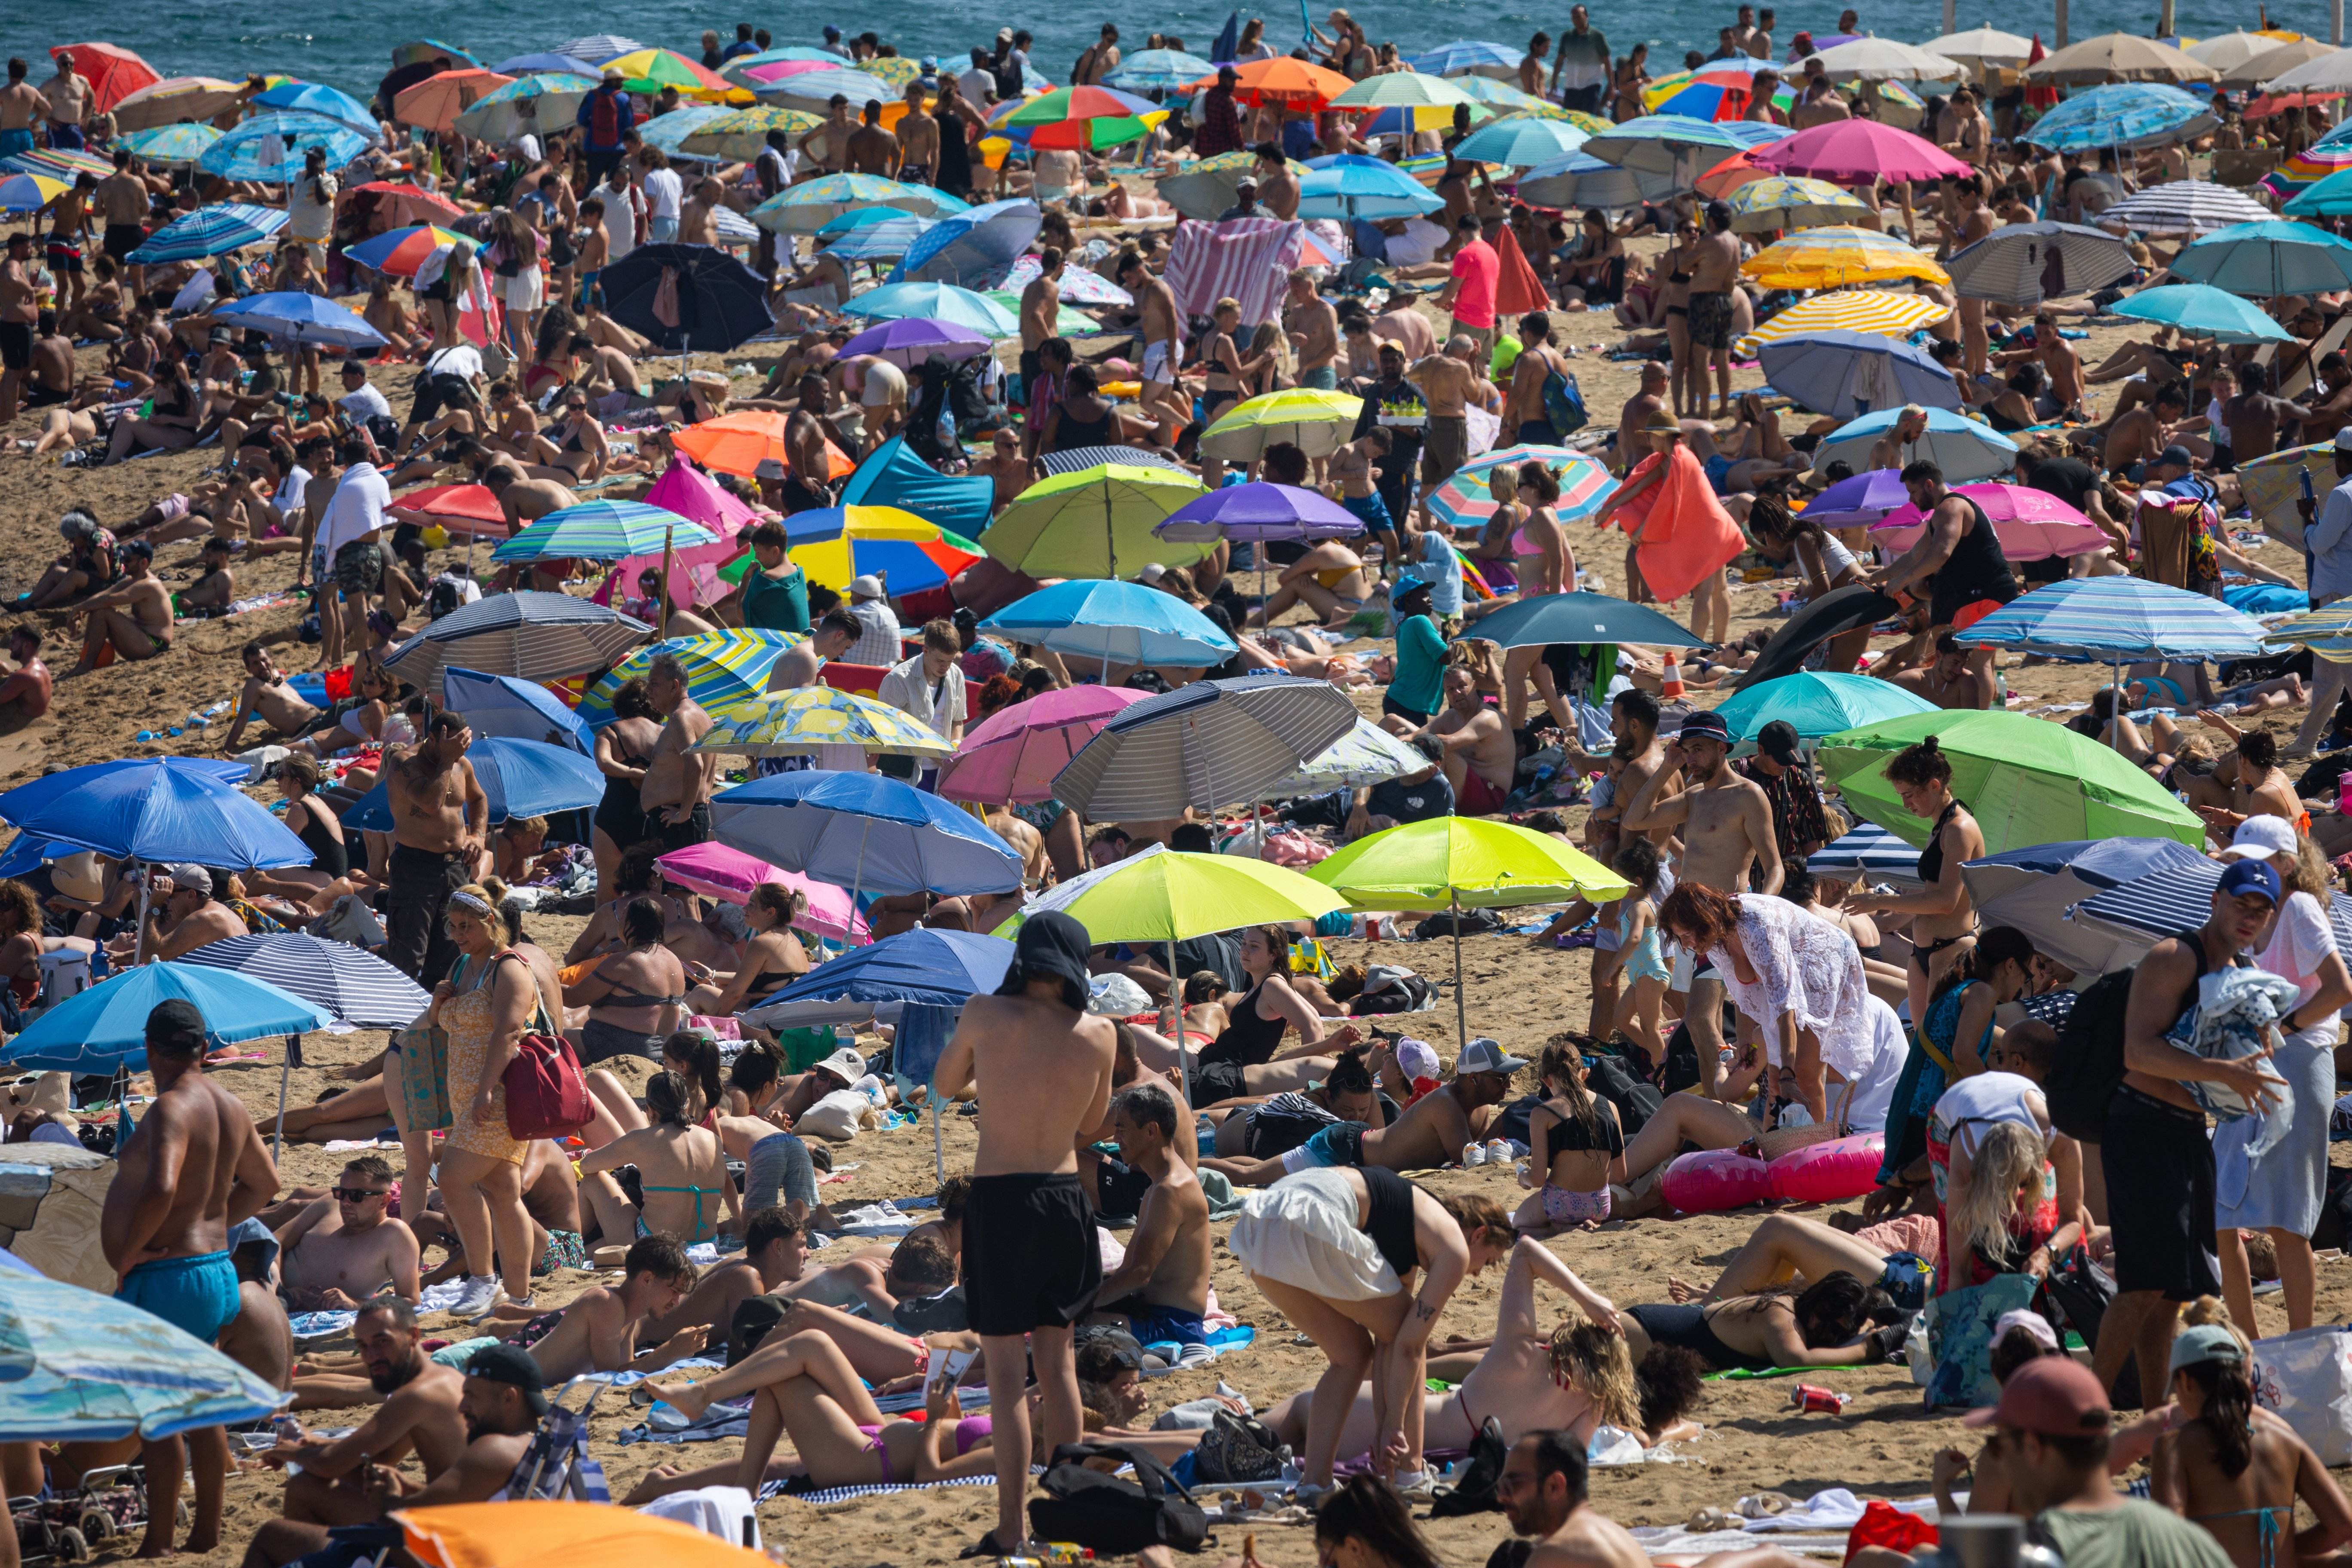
{"points": [[2252, 877]]}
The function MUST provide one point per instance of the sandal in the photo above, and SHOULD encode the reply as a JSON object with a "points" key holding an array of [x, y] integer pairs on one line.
{"points": [[986, 1546], [642, 1394]]}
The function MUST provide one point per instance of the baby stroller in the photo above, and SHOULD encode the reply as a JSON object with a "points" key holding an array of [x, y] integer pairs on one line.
{"points": [[68, 1528]]}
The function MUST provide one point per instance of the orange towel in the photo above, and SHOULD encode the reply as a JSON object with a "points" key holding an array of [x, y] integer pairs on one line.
{"points": [[1687, 533], [1517, 290]]}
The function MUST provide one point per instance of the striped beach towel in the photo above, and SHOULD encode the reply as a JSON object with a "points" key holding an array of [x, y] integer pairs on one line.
{"points": [[1245, 259]]}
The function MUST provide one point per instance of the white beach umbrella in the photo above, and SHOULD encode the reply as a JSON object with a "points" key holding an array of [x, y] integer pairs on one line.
{"points": [[1884, 59], [2195, 205], [2230, 50], [2328, 73], [1977, 44]]}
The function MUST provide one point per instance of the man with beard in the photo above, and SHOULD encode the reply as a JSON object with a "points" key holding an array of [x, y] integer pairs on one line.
{"points": [[336, 1484], [439, 817], [1542, 1490]]}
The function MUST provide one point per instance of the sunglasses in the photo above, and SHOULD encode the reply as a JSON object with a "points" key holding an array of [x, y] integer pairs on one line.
{"points": [[358, 1194]]}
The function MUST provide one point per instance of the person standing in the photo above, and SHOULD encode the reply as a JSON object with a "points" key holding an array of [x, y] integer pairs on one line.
{"points": [[605, 115], [1314, 329], [68, 96], [1800, 825], [774, 595], [665, 195], [1221, 122], [1579, 70], [1030, 1264], [1714, 274], [880, 641], [1469, 292], [197, 1169], [928, 689], [310, 208], [347, 551], [676, 791], [20, 108], [440, 815], [2327, 567]]}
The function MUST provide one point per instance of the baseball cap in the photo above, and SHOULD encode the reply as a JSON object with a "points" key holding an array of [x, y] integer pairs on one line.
{"points": [[2207, 1341], [845, 1064], [1247, 182], [1050, 946], [514, 1365], [2032, 1322], [2260, 838], [2344, 439], [192, 876], [867, 588], [2052, 1398], [354, 367], [1391, 345], [175, 1028], [1417, 1057], [1777, 741], [1406, 582], [2174, 457], [1706, 724], [832, 34], [1483, 1055], [2252, 877]]}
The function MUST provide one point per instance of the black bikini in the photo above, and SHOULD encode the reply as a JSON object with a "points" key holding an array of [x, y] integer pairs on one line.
{"points": [[1070, 432], [619, 814], [1389, 1221], [1931, 871], [1686, 1327]]}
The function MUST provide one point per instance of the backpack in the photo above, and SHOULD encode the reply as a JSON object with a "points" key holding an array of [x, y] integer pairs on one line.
{"points": [[1113, 1515], [1563, 402], [1475, 1488], [1238, 1448], [604, 118], [2090, 1057], [446, 597]]}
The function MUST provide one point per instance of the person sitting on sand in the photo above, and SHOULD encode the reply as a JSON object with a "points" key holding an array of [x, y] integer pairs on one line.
{"points": [[682, 1167], [133, 618], [599, 1331], [268, 693], [2234, 1467], [1573, 1140], [345, 1247], [25, 690], [1428, 1136], [186, 919], [214, 589], [88, 564]]}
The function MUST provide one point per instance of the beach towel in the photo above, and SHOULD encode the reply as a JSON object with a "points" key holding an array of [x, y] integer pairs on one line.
{"points": [[1684, 533], [1246, 259], [726, 1512], [1517, 290]]}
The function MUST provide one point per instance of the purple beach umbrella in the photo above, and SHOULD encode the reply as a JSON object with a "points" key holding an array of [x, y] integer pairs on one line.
{"points": [[910, 339], [1861, 501], [1262, 510]]}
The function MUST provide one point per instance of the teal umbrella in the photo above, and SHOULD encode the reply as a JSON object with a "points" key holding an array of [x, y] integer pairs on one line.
{"points": [[105, 1027], [604, 530], [1521, 142], [938, 302], [1817, 705], [2202, 310], [79, 1366]]}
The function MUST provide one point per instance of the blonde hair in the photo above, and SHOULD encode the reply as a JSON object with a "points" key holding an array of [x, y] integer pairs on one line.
{"points": [[1602, 1365], [2209, 1312], [1503, 485], [2311, 874], [2006, 1158]]}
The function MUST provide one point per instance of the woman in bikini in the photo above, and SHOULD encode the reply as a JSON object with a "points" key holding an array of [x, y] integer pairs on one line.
{"points": [[1632, 75], [1573, 1139], [634, 996], [1331, 580], [171, 421], [1594, 274], [1828, 1323], [1674, 289], [1254, 1033], [2233, 1467], [1545, 564], [681, 1172], [1943, 918], [771, 960], [624, 750]]}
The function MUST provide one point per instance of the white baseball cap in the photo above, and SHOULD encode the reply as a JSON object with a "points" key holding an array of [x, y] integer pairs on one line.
{"points": [[867, 588], [1483, 1055], [2261, 836], [1418, 1058], [845, 1064]]}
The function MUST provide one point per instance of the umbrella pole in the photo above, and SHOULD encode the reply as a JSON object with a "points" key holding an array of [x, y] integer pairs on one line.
{"points": [[1461, 1007], [668, 540], [858, 878], [285, 1080], [2115, 710], [1176, 1022]]}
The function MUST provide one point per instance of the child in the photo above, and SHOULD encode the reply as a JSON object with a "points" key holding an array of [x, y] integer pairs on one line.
{"points": [[1573, 1141], [1640, 1006]]}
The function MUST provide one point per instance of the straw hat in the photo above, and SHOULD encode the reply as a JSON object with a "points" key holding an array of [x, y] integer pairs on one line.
{"points": [[1662, 423]]}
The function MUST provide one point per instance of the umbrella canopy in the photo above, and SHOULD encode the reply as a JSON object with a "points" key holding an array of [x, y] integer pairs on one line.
{"points": [[1404, 90], [1012, 756], [2036, 889], [2123, 114], [1666, 144], [1578, 618], [1357, 187], [1471, 58], [1870, 310], [2262, 260], [271, 147], [2119, 56], [1521, 142], [317, 98], [865, 832], [460, 509], [1147, 70], [542, 105], [1365, 755], [425, 49], [2031, 525], [805, 719], [1860, 499], [1963, 448], [434, 103], [403, 252], [547, 60], [408, 203], [1084, 524], [2027, 781], [1294, 84], [30, 192], [1211, 743], [1868, 854], [583, 1535], [1783, 202], [910, 339], [836, 544], [2328, 633], [1090, 118], [1817, 704], [1204, 189], [173, 145], [1079, 285], [2297, 175], [1090, 618], [2227, 51], [1318, 422], [522, 778], [1855, 151], [176, 98], [105, 1027], [722, 668], [2137, 914], [2114, 620], [720, 302], [597, 47], [158, 808], [2184, 205], [1163, 895], [1838, 373], [302, 319], [518, 710], [2024, 263], [669, 132], [1839, 253], [943, 968], [938, 302], [2201, 310], [113, 72], [1585, 484], [968, 246], [2330, 72], [1261, 511], [884, 241], [812, 91], [535, 636], [82, 1367], [603, 530], [648, 71], [736, 443], [742, 134], [1884, 59], [1980, 44], [349, 984], [715, 871]]}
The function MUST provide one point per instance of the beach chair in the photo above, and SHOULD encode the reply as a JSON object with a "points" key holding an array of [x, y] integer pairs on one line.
{"points": [[2303, 368], [557, 1465]]}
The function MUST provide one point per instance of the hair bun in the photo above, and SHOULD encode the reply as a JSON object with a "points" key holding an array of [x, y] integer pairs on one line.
{"points": [[1930, 743]]}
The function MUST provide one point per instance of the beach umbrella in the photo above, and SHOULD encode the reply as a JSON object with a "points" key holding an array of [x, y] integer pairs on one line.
{"points": [[1076, 460], [2023, 263], [401, 252], [1842, 373], [533, 634], [1147, 70], [1012, 756], [1582, 179], [1204, 189], [434, 103], [1471, 58], [82, 1367], [742, 134], [172, 145], [1815, 704], [837, 544], [1883, 59], [2330, 72], [968, 246], [908, 341], [1365, 755], [1403, 90], [1455, 863], [597, 47], [1666, 144], [886, 241], [715, 871], [1578, 618], [2118, 57], [2026, 780], [938, 302], [1718, 92], [2328, 633], [1357, 189], [542, 105], [722, 668], [1860, 499], [271, 147], [717, 302], [648, 71], [29, 193], [1291, 83], [602, 530], [2132, 916], [459, 509], [1083, 117], [2031, 525], [1783, 202], [2201, 310], [865, 833], [1079, 286], [1962, 447], [2278, 62], [2194, 206], [1839, 253], [168, 809], [1403, 120], [2116, 620], [2036, 889], [942, 968], [1521, 142], [1261, 511], [113, 72], [2262, 260], [104, 1029], [176, 99], [812, 91], [57, 164], [317, 98], [1212, 743], [2123, 114], [547, 62], [424, 49], [297, 318], [2301, 172], [516, 710], [1872, 311], [1318, 422], [737, 443], [1982, 45], [1084, 524], [522, 778], [408, 203], [1868, 854], [805, 719], [669, 132], [855, 218], [1127, 623], [1585, 484], [2228, 51], [1855, 151], [581, 1534]]}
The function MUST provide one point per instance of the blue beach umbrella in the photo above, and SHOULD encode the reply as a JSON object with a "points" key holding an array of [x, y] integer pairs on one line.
{"points": [[271, 147], [1868, 854], [1582, 179], [938, 302], [2262, 260], [1837, 372], [302, 319], [1352, 186], [171, 144], [519, 709], [965, 248], [857, 218], [2115, 620], [2136, 912], [105, 1027], [2202, 310], [812, 91], [1816, 704], [546, 61], [1520, 142], [2124, 114], [944, 968], [892, 236], [1669, 144], [154, 808], [2330, 197], [1963, 448], [210, 231], [522, 778], [1471, 58], [668, 131], [603, 530], [720, 301], [1127, 623], [1581, 617], [316, 98], [81, 1367], [865, 833], [2036, 889], [1163, 69]]}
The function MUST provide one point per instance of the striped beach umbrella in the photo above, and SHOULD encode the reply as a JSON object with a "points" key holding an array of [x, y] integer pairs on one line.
{"points": [[799, 721], [722, 668], [271, 147], [650, 70], [1782, 201], [170, 143], [1090, 118], [58, 163], [1666, 144], [1212, 741], [1585, 486], [1840, 253], [884, 241], [2165, 903], [29, 193], [354, 984], [1471, 58], [596, 48], [2114, 620], [400, 251], [1868, 854], [209, 231], [2314, 183], [603, 530], [836, 545], [2194, 206], [530, 634], [2326, 633], [1849, 310]]}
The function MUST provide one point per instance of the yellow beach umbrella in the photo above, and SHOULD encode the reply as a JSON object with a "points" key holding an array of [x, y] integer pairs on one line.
{"points": [[1317, 423], [791, 724], [743, 134], [1848, 310], [1791, 202], [1825, 258]]}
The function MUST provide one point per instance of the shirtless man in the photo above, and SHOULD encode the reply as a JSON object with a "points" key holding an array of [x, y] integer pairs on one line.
{"points": [[1314, 329], [696, 225], [1480, 755], [68, 96], [2059, 358], [1446, 385], [1949, 681], [19, 315], [676, 791], [1977, 221], [500, 1404], [1097, 59], [2258, 786], [1277, 187], [1030, 1264], [25, 690], [1163, 347], [187, 919], [919, 141], [1427, 1135], [1523, 404], [1727, 826], [834, 135], [598, 1330], [1041, 309], [197, 1169], [2254, 417], [123, 204], [1632, 444], [20, 108], [2140, 435], [835, 634], [872, 150], [1543, 1493], [1714, 273], [267, 692], [1161, 1288], [70, 224], [774, 1261], [340, 1250], [439, 816], [1400, 323], [1632, 716]]}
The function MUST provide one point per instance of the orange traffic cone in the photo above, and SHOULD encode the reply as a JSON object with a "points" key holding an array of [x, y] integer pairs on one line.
{"points": [[1670, 684]]}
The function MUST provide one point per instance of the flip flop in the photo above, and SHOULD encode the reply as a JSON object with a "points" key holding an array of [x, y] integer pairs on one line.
{"points": [[642, 1394], [986, 1546]]}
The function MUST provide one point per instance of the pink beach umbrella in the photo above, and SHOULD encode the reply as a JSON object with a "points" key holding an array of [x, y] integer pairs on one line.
{"points": [[715, 871], [694, 577], [1011, 756], [2030, 524], [1853, 151]]}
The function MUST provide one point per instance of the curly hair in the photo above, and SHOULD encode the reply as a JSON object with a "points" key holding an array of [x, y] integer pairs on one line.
{"points": [[17, 898], [1699, 917]]}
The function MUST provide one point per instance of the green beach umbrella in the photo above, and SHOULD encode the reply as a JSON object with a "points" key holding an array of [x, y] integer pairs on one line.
{"points": [[1465, 862], [1406, 89], [1084, 524], [2025, 780]]}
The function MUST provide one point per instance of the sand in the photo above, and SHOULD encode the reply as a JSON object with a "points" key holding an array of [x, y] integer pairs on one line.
{"points": [[1880, 1446]]}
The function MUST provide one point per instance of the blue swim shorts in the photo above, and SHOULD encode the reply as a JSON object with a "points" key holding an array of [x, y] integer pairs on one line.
{"points": [[197, 1295]]}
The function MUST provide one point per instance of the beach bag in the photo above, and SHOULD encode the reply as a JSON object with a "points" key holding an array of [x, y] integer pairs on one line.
{"points": [[1961, 1335], [1563, 402], [2090, 1057], [1116, 1516], [424, 1078], [2305, 1380], [1238, 1448], [1475, 1485], [547, 1094]]}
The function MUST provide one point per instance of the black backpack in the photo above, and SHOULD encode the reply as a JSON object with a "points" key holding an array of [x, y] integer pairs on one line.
{"points": [[1116, 1516], [2090, 1058]]}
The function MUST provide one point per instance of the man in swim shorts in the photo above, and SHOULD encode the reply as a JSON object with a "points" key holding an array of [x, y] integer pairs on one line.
{"points": [[1164, 345], [165, 1230]]}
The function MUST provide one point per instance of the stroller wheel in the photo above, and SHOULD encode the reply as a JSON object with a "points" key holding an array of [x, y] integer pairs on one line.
{"points": [[96, 1524], [70, 1546]]}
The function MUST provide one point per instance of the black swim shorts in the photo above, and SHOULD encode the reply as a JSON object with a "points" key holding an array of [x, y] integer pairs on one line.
{"points": [[1029, 1255], [2158, 1162], [1710, 319]]}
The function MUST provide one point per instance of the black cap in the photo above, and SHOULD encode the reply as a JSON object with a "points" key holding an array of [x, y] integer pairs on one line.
{"points": [[515, 1365], [1050, 946], [1705, 723], [177, 1028], [1777, 741]]}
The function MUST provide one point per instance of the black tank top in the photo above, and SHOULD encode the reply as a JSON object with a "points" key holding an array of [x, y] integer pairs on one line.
{"points": [[1931, 859], [1246, 1038], [325, 844], [1070, 432], [1389, 1221], [1976, 569]]}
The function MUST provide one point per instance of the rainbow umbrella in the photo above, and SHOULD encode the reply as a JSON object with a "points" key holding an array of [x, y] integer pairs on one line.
{"points": [[170, 143], [1079, 117], [1404, 120], [29, 193], [799, 721], [2306, 169], [722, 668], [59, 164], [1719, 99], [834, 544], [1584, 484], [650, 70], [603, 530], [400, 251]]}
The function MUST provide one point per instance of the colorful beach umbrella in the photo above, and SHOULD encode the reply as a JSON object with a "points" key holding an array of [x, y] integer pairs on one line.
{"points": [[837, 544], [1471, 58], [1786, 202], [29, 193], [669, 132], [170, 143], [400, 251], [1585, 485], [1851, 310], [1816, 704], [2128, 114], [1096, 621], [1010, 756], [317, 98], [1836, 254], [805, 719], [2328, 633], [742, 134], [808, 206], [85, 1367], [602, 530], [715, 871], [2305, 170], [648, 71], [434, 103], [722, 668], [1855, 151], [1318, 422], [271, 147], [1963, 447], [738, 442], [935, 301], [1087, 523], [2113, 620], [1090, 118], [543, 105]]}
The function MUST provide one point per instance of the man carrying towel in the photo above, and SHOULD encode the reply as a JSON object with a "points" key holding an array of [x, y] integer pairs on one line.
{"points": [[1043, 1069]]}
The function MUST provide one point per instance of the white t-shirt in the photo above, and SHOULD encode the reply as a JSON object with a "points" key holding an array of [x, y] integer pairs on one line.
{"points": [[939, 704], [365, 404], [664, 191], [287, 498], [463, 359], [885, 384], [356, 509], [620, 221], [306, 219], [975, 85], [2300, 943], [1969, 1108]]}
